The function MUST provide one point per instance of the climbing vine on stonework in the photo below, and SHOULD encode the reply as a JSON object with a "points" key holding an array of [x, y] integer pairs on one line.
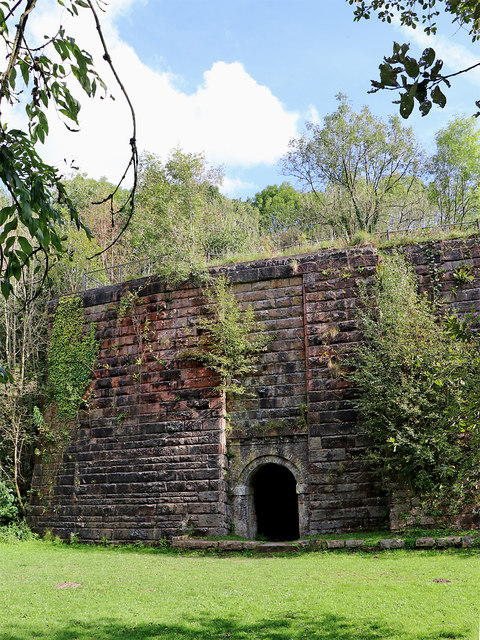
{"points": [[145, 336], [433, 256], [71, 358], [228, 343]]}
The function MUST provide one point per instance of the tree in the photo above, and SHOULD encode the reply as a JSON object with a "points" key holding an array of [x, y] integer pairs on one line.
{"points": [[455, 168], [283, 210], [419, 79], [353, 165], [279, 206], [23, 338], [39, 78], [183, 217]]}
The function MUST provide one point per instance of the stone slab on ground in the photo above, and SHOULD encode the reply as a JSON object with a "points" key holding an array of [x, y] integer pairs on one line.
{"points": [[276, 547], [391, 543], [250, 545], [467, 541], [316, 544], [230, 545], [425, 542], [335, 544], [183, 542], [200, 544], [354, 544], [454, 541]]}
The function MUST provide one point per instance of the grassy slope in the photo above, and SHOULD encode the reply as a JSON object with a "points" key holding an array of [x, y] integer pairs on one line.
{"points": [[144, 595]]}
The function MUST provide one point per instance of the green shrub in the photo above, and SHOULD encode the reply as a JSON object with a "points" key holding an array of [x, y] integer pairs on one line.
{"points": [[8, 504], [71, 357], [418, 381], [228, 344], [16, 532]]}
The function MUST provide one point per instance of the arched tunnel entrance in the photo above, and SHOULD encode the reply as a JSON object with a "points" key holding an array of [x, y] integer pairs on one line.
{"points": [[276, 502]]}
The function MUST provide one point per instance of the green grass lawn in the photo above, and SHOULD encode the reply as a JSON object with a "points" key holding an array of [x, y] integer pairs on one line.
{"points": [[144, 594]]}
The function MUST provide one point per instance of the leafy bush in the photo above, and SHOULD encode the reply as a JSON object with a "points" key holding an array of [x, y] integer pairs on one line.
{"points": [[16, 532], [8, 504], [418, 387]]}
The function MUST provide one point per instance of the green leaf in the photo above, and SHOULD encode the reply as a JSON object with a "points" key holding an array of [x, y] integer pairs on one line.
{"points": [[24, 68], [425, 107], [9, 244], [5, 375], [12, 77], [42, 118], [10, 226], [16, 270], [39, 133], [5, 287], [438, 97], [427, 58], [25, 244], [388, 77], [406, 105], [435, 70], [6, 212], [411, 67]]}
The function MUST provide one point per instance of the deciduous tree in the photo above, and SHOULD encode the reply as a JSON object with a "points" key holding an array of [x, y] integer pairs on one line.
{"points": [[183, 216], [455, 167], [354, 164]]}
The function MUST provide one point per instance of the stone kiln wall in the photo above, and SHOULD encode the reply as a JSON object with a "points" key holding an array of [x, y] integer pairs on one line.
{"points": [[148, 459], [152, 457]]}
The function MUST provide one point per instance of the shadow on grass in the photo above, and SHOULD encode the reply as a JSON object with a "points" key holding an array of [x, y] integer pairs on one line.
{"points": [[291, 627]]}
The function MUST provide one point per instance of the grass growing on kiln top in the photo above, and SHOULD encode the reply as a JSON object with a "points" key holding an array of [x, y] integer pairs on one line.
{"points": [[146, 595]]}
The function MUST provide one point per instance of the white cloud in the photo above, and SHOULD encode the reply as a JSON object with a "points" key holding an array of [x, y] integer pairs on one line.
{"points": [[230, 117], [233, 187], [313, 115]]}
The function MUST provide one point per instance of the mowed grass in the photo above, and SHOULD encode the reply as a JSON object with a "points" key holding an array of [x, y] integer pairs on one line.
{"points": [[145, 594]]}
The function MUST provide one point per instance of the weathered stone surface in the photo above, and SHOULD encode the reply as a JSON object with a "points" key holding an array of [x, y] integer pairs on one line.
{"points": [[276, 547], [467, 541], [354, 544], [425, 542], [250, 545], [230, 545], [316, 543], [453, 541], [335, 544], [391, 543]]}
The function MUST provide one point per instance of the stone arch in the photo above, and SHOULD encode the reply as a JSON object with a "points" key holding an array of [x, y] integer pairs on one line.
{"points": [[244, 514]]}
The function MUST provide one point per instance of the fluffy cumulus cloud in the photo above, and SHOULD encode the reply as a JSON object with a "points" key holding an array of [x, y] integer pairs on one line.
{"points": [[232, 186], [230, 117]]}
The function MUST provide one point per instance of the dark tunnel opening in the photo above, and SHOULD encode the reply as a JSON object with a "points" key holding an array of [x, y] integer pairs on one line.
{"points": [[276, 503]]}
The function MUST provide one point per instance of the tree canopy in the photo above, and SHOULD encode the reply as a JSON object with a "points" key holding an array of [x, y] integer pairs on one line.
{"points": [[182, 216], [455, 171], [356, 159]]}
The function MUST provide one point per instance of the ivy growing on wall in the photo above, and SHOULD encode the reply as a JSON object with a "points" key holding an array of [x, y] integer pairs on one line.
{"points": [[71, 358]]}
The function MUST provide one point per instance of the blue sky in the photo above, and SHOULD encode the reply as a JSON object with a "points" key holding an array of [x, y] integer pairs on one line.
{"points": [[236, 79]]}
